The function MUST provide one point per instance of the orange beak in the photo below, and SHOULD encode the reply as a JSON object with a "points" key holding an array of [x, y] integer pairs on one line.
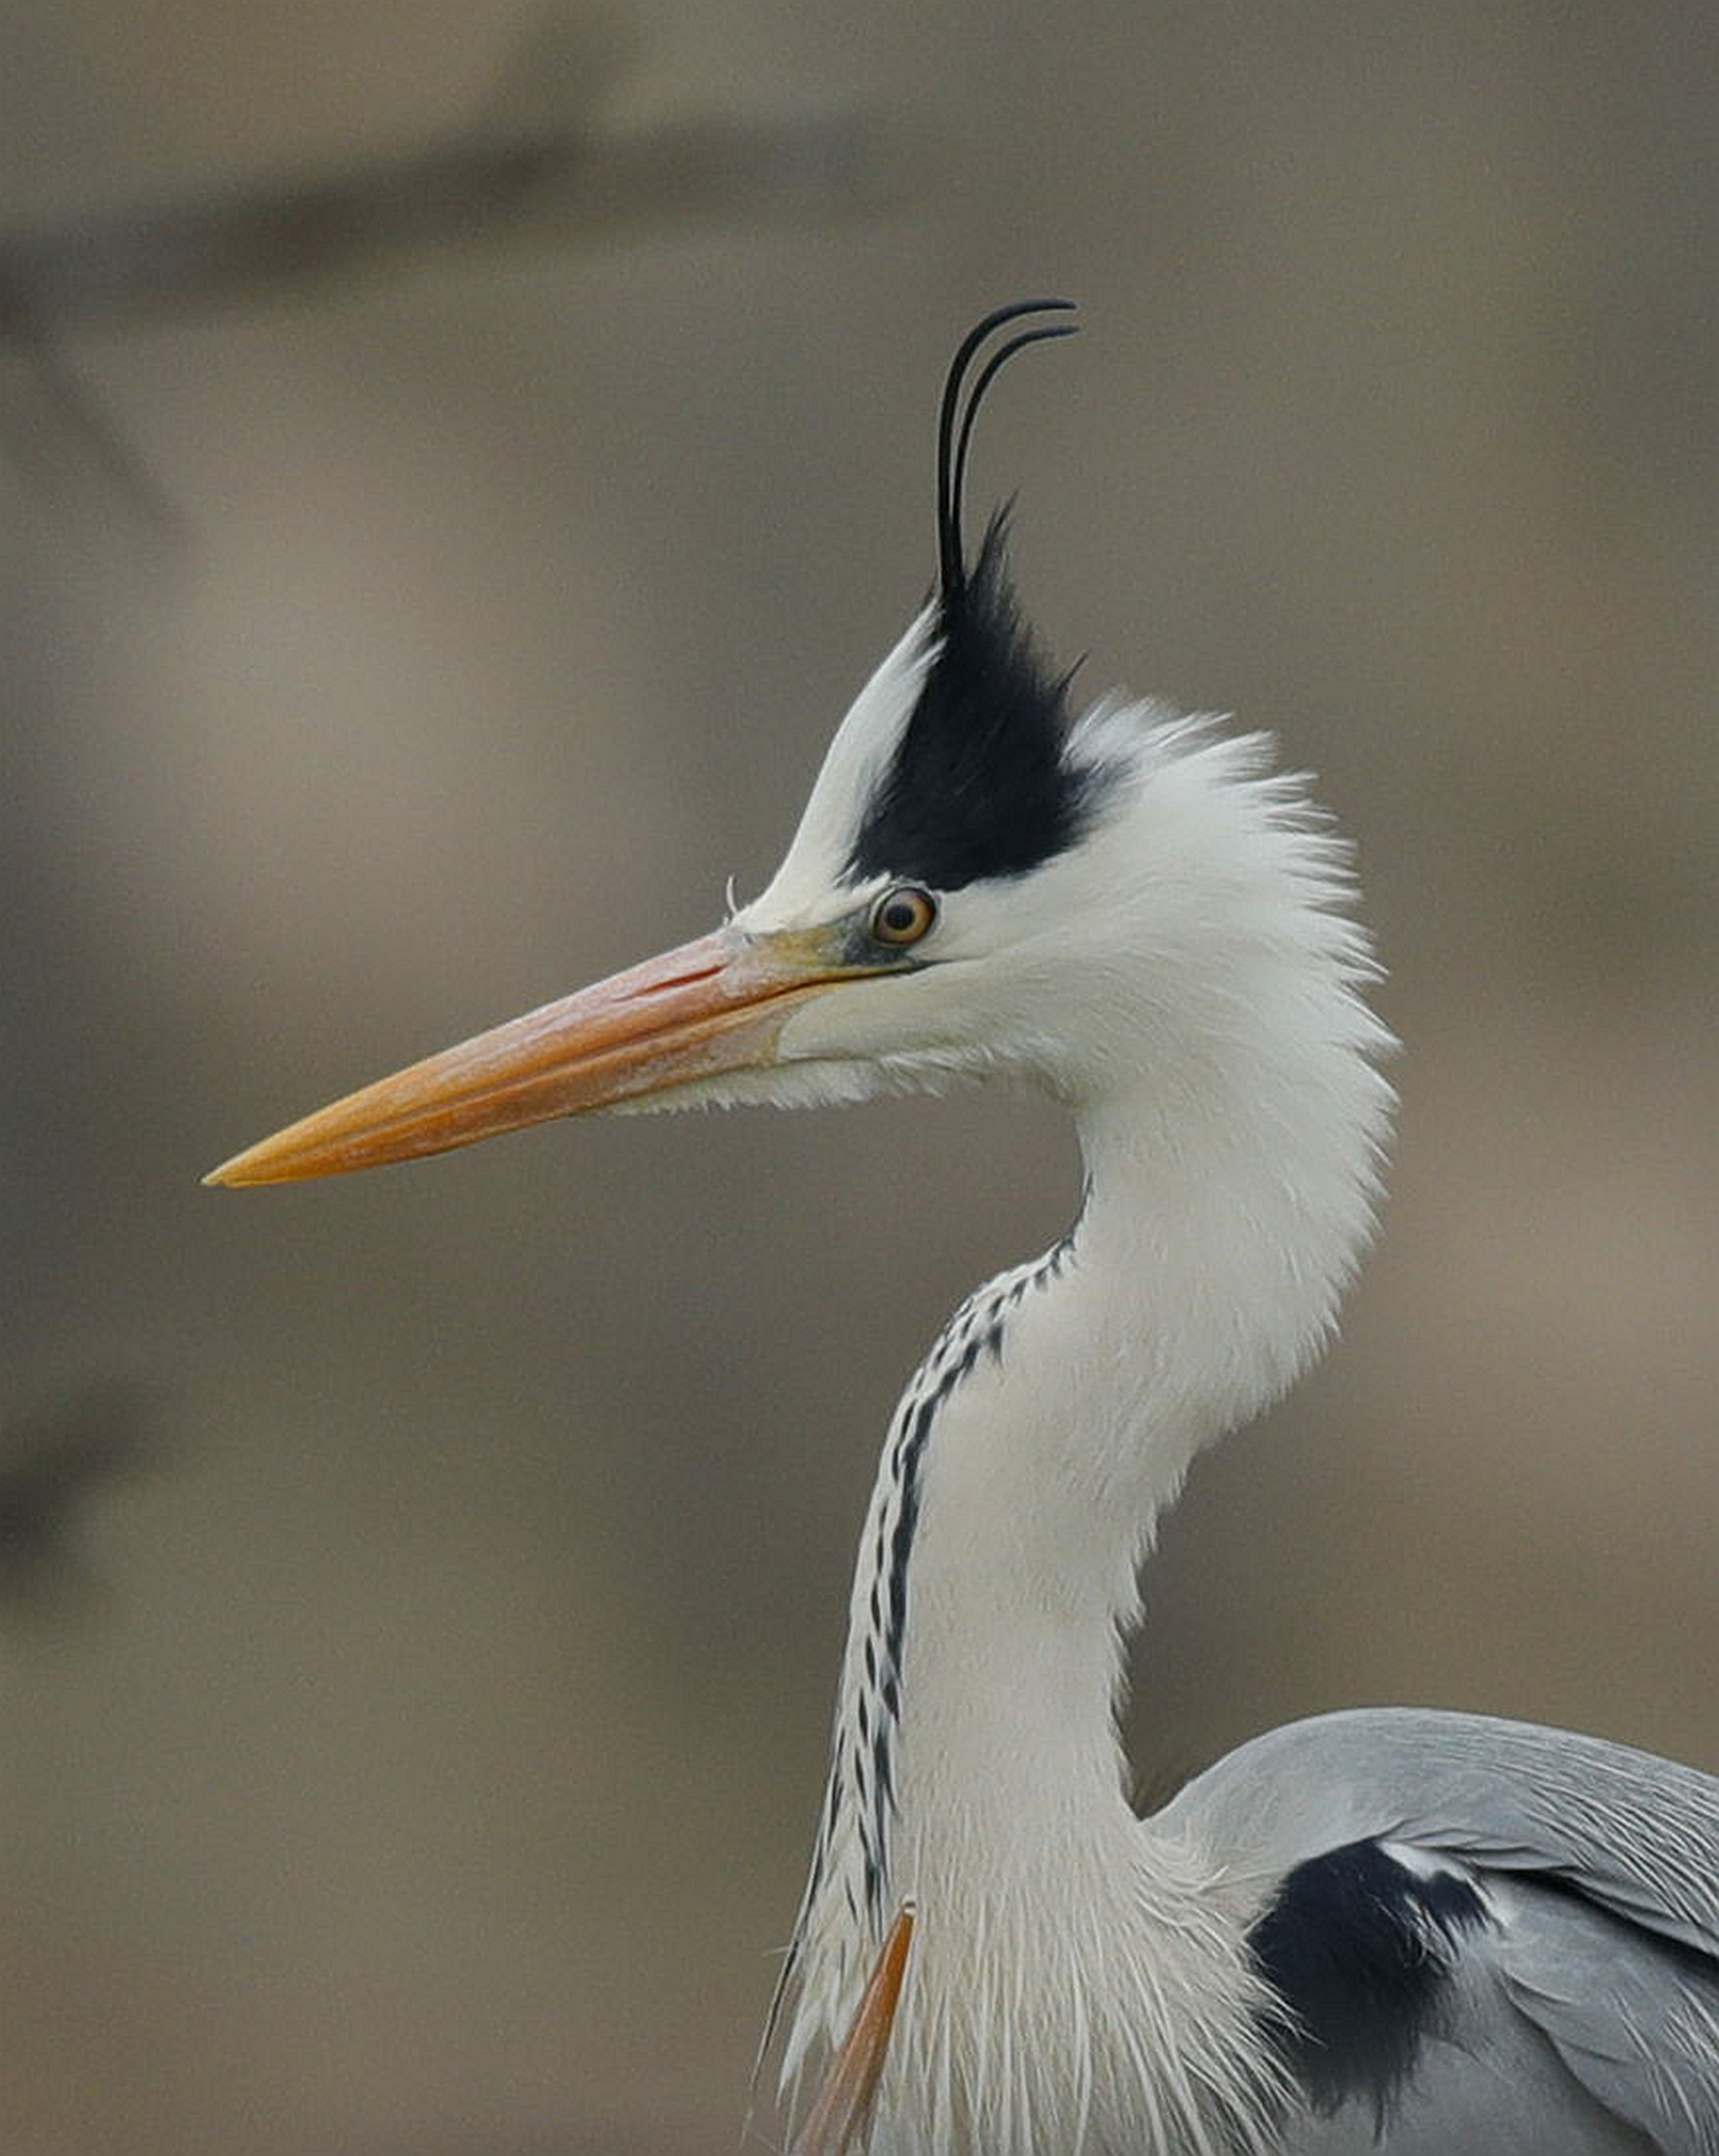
{"points": [[714, 1005], [836, 2125]]}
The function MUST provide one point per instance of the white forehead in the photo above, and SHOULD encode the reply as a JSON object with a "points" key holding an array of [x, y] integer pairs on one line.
{"points": [[814, 866]]}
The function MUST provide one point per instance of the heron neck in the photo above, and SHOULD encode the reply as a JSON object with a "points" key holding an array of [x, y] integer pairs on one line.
{"points": [[977, 1766], [1196, 1284]]}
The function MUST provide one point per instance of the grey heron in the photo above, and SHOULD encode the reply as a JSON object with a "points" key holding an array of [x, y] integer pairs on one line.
{"points": [[1422, 1932]]}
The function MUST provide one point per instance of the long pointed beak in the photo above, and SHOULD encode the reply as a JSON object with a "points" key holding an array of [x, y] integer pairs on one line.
{"points": [[714, 1005], [836, 2124]]}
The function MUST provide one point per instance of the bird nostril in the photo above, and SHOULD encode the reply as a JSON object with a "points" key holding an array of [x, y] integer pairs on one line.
{"points": [[678, 981]]}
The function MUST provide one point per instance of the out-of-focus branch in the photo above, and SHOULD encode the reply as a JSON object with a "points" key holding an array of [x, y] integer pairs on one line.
{"points": [[548, 184], [558, 185], [54, 1464]]}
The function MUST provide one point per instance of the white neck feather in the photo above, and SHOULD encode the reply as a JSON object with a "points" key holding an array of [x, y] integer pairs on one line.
{"points": [[1079, 1978]]}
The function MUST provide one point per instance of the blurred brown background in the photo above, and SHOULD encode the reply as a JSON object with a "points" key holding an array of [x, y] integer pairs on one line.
{"points": [[422, 1594]]}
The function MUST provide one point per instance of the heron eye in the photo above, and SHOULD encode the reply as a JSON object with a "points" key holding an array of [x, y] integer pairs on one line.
{"points": [[902, 916]]}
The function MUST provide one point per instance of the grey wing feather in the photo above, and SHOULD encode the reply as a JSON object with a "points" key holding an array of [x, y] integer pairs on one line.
{"points": [[1637, 2022], [1604, 1870]]}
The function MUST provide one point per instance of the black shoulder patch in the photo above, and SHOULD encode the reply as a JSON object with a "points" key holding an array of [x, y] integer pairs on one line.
{"points": [[979, 783], [1359, 1950]]}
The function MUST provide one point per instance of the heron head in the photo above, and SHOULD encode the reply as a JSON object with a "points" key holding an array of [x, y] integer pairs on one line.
{"points": [[977, 886]]}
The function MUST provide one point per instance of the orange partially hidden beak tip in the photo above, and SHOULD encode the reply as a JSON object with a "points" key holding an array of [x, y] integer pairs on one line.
{"points": [[715, 1006], [836, 2122]]}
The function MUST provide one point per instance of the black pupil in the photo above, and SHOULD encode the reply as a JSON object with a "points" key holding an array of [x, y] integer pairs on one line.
{"points": [[900, 915]]}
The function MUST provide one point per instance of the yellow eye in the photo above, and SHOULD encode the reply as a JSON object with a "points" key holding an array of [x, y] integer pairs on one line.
{"points": [[902, 916]]}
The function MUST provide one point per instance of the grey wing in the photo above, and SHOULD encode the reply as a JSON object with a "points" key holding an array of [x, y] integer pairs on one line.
{"points": [[1634, 2019], [1596, 1870]]}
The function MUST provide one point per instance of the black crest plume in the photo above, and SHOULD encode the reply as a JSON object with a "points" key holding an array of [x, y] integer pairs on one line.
{"points": [[980, 784], [955, 426]]}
